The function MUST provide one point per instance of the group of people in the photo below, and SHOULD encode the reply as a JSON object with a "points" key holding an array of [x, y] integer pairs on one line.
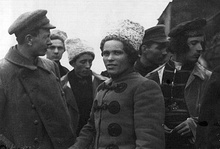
{"points": [[154, 94]]}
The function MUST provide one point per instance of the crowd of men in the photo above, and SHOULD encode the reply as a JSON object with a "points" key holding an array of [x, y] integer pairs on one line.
{"points": [[154, 94]]}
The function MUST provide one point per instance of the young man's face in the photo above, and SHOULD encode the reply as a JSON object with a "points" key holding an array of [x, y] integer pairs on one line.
{"points": [[55, 50], [114, 57], [195, 48], [156, 53], [83, 64]]}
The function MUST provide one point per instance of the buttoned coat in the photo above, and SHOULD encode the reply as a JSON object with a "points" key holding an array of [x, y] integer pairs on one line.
{"points": [[208, 130], [193, 90], [127, 113], [33, 112], [71, 99]]}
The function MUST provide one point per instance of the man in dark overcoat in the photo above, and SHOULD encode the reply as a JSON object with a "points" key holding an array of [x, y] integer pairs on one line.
{"points": [[33, 111], [208, 130]]}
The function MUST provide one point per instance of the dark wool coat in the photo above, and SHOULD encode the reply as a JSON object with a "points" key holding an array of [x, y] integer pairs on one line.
{"points": [[208, 130], [33, 112], [127, 113], [71, 98]]}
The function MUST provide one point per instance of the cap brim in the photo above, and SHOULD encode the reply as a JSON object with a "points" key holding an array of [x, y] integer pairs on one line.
{"points": [[160, 40], [48, 26]]}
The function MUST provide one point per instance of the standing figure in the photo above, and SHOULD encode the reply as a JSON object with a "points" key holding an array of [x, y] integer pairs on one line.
{"points": [[153, 50], [128, 110], [81, 81], [57, 48], [182, 80], [33, 111], [208, 130]]}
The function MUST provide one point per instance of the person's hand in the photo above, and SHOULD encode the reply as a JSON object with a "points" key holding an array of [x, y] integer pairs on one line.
{"points": [[183, 128], [167, 130]]}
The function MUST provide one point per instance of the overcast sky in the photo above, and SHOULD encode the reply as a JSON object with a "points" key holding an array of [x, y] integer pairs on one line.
{"points": [[85, 19]]}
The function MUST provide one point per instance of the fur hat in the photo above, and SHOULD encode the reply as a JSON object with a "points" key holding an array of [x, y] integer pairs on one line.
{"points": [[28, 21], [130, 32], [58, 34], [75, 47]]}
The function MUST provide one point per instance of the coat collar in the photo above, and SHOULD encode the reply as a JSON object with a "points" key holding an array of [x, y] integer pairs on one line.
{"points": [[200, 72], [15, 57], [122, 78]]}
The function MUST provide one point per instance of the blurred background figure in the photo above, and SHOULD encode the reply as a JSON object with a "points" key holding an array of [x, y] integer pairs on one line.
{"points": [[153, 51], [57, 48], [208, 130], [182, 81], [82, 81], [212, 55]]}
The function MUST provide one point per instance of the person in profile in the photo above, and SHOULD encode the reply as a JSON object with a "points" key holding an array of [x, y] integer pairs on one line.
{"points": [[153, 50], [33, 111], [182, 80]]}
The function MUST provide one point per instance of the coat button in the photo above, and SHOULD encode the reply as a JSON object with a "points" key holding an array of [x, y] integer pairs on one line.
{"points": [[112, 146], [3, 147], [62, 93], [23, 76], [114, 129], [33, 106], [121, 87], [36, 122], [114, 107], [36, 141]]}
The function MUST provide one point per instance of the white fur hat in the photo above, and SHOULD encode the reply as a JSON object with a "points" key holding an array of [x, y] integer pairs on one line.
{"points": [[127, 30], [58, 34], [75, 47]]}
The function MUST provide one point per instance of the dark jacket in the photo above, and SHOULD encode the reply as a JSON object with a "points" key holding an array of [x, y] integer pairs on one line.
{"points": [[208, 130], [33, 112], [81, 109], [142, 69], [192, 92], [63, 70]]}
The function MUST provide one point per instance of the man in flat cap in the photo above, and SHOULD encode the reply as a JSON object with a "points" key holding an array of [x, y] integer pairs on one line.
{"points": [[33, 111], [182, 80], [153, 50], [57, 48]]}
